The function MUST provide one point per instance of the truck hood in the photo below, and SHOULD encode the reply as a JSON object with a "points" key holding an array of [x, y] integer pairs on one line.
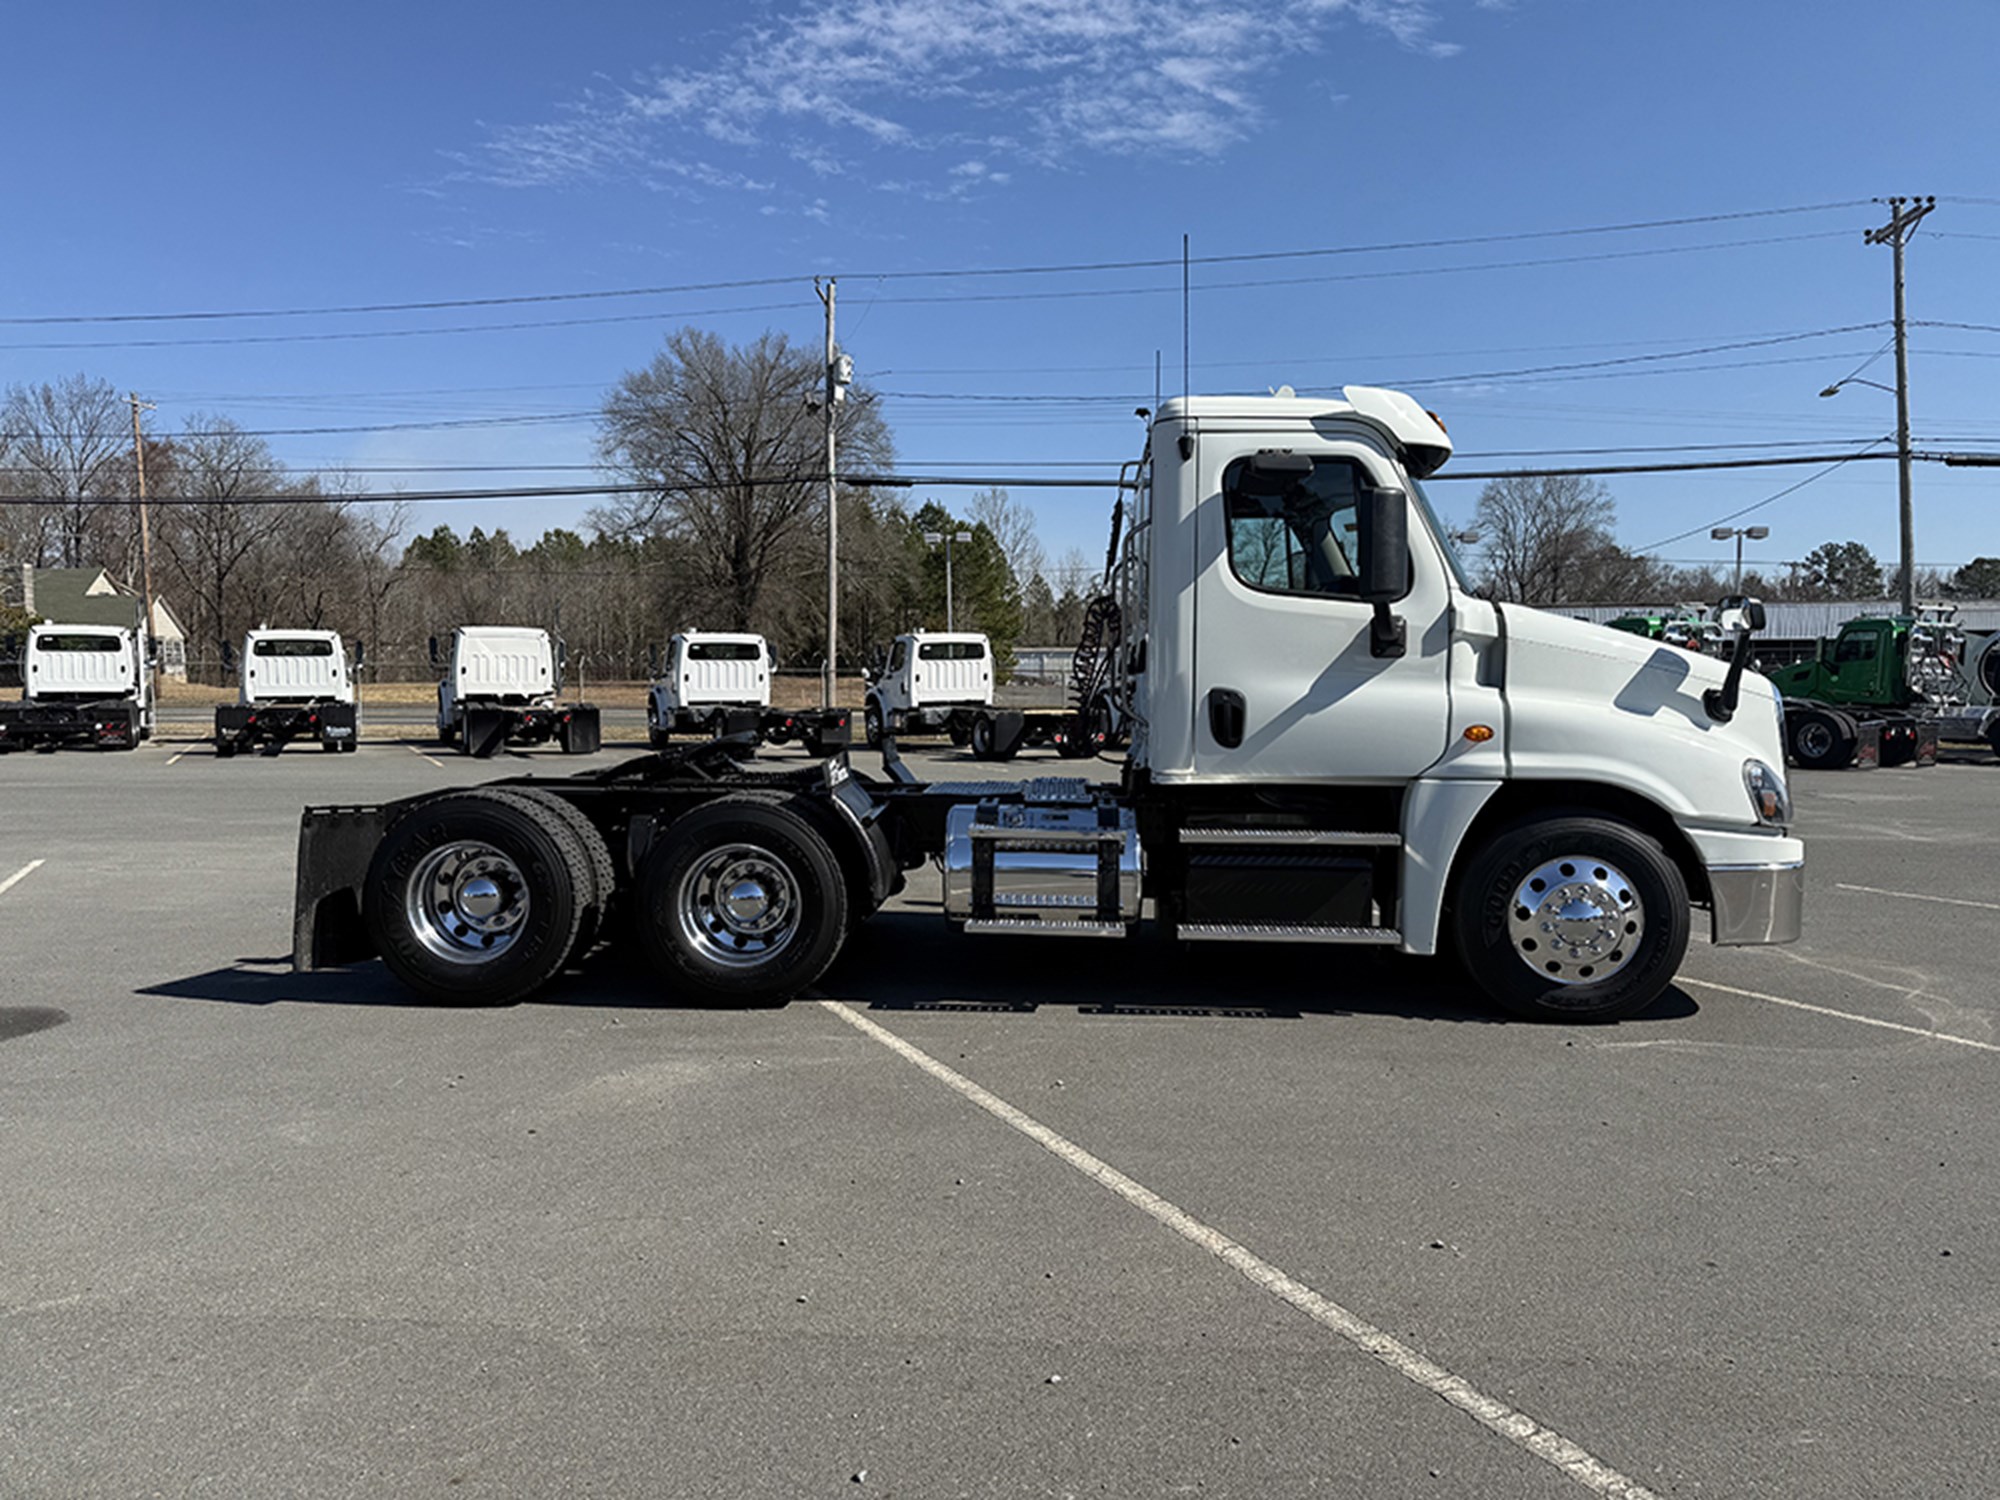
{"points": [[1588, 703]]}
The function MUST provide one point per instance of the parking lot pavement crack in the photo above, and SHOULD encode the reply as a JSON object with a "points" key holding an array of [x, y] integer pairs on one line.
{"points": [[1505, 1421]]}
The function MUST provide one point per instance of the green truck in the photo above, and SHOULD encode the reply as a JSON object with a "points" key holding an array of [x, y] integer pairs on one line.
{"points": [[1689, 630], [1883, 691]]}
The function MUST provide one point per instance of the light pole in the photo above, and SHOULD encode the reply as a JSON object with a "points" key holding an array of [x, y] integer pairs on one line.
{"points": [[1724, 533], [947, 537]]}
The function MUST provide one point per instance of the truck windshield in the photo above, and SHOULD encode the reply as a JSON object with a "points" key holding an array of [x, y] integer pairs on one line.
{"points": [[77, 643], [296, 647], [721, 651], [1444, 540]]}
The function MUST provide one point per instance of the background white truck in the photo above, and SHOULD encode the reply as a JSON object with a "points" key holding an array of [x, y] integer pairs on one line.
{"points": [[291, 684], [1334, 742], [81, 685], [501, 686], [714, 683], [934, 682]]}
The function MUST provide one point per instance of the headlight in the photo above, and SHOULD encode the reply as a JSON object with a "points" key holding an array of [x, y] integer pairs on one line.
{"points": [[1768, 796]]}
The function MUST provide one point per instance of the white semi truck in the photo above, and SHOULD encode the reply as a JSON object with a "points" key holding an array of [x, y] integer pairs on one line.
{"points": [[716, 683], [291, 684], [501, 686], [86, 685], [1333, 741]]}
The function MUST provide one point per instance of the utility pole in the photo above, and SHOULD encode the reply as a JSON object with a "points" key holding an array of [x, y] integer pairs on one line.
{"points": [[1904, 215], [832, 506], [145, 529]]}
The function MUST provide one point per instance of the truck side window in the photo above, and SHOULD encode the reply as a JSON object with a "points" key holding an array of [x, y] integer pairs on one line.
{"points": [[1293, 534], [898, 654], [1855, 648]]}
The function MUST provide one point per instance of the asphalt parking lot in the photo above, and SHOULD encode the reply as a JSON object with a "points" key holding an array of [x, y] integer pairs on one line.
{"points": [[990, 1216]]}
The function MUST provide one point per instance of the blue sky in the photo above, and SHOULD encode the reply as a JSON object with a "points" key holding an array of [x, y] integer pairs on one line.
{"points": [[241, 157]]}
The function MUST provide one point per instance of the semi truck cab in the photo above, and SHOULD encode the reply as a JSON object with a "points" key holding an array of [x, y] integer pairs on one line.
{"points": [[291, 684]]}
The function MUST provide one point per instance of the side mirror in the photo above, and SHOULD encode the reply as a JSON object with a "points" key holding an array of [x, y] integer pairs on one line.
{"points": [[1382, 538], [1741, 617], [228, 657], [1737, 613], [360, 653], [434, 652]]}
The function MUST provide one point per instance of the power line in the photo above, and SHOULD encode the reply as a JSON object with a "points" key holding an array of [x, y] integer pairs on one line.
{"points": [[874, 480], [681, 289], [1790, 489]]}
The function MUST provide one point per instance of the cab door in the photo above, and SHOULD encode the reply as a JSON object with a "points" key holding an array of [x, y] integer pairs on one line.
{"points": [[1290, 681]]}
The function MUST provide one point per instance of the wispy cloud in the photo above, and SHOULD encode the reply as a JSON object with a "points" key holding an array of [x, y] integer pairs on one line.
{"points": [[833, 84]]}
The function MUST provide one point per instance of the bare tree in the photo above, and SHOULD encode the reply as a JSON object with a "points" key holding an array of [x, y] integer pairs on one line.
{"points": [[1013, 527], [736, 457], [211, 541], [70, 444], [1546, 539]]}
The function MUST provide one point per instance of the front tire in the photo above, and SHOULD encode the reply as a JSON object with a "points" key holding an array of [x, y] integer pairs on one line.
{"points": [[1572, 918], [477, 897], [741, 902]]}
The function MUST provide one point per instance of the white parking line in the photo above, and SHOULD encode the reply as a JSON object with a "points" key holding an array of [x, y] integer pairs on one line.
{"points": [[421, 756], [1918, 896], [1843, 1015], [20, 875], [178, 754], [1515, 1426]]}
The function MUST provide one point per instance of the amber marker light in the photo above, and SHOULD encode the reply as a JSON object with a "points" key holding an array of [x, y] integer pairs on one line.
{"points": [[1479, 734]]}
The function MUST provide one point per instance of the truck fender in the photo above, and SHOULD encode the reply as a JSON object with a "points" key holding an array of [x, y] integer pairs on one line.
{"points": [[1436, 816]]}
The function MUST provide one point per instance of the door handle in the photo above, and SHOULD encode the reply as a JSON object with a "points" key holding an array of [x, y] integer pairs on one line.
{"points": [[1225, 717]]}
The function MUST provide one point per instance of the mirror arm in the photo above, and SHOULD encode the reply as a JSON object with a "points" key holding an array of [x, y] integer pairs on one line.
{"points": [[1388, 635], [1721, 702]]}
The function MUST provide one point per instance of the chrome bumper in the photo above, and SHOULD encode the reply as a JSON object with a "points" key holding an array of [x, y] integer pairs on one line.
{"points": [[1757, 903]]}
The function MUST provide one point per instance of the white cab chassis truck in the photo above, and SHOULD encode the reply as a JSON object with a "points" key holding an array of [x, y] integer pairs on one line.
{"points": [[292, 684], [81, 685], [1332, 742], [500, 687], [932, 682], [717, 684]]}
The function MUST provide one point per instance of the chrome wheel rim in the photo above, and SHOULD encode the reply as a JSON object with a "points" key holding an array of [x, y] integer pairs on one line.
{"points": [[1576, 920], [1814, 740], [467, 902], [738, 906]]}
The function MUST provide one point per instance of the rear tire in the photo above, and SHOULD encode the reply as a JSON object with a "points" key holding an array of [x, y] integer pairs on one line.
{"points": [[224, 749], [741, 902], [477, 897], [1571, 918], [871, 724], [602, 889], [1820, 740], [982, 738]]}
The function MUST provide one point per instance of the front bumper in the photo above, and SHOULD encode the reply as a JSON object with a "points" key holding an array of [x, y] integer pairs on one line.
{"points": [[1756, 903], [1756, 883]]}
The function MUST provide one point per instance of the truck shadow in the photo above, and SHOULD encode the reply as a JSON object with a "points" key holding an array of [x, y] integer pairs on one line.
{"points": [[909, 961]]}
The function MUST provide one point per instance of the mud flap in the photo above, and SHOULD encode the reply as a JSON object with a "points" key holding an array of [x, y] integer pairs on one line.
{"points": [[485, 732], [338, 724], [1927, 743], [1868, 746], [1010, 732], [580, 732], [335, 846]]}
